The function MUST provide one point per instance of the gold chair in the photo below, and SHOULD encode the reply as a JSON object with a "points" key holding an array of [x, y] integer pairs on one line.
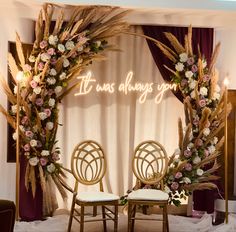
{"points": [[149, 166], [88, 166]]}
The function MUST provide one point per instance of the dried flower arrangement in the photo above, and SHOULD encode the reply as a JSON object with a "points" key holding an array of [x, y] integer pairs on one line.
{"points": [[58, 56], [199, 141]]}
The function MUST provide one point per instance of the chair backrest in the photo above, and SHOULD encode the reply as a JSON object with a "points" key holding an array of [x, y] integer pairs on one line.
{"points": [[88, 163], [150, 162]]}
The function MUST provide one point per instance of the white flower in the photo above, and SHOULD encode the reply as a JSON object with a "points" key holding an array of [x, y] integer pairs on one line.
{"points": [[45, 57], [206, 131], [53, 72], [70, 45], [80, 48], [200, 172], [177, 151], [66, 63], [22, 128], [58, 89], [167, 189], [14, 135], [51, 102], [51, 80], [51, 168], [196, 160], [190, 145], [32, 59], [98, 43], [33, 161], [186, 180], [42, 115], [204, 63], [192, 84], [26, 153], [188, 74], [45, 153], [216, 96], [53, 39], [179, 67], [37, 90], [36, 78], [33, 143], [49, 125], [193, 94], [211, 149], [217, 88], [183, 57], [215, 140], [61, 48], [203, 91], [62, 76], [14, 109]]}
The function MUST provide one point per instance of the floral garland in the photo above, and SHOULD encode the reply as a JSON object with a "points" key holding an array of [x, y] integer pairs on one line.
{"points": [[49, 74], [199, 141]]}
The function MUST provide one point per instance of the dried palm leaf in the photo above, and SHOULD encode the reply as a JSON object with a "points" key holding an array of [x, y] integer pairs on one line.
{"points": [[190, 49], [9, 118], [186, 139], [205, 118], [174, 42], [38, 30], [13, 66], [214, 57], [167, 51], [20, 52], [48, 11], [181, 134], [59, 186], [208, 178], [27, 176], [32, 180], [208, 159], [220, 143], [68, 90], [42, 178], [59, 23], [199, 186]]}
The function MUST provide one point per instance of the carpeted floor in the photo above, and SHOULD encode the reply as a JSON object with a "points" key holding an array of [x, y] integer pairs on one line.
{"points": [[177, 224]]}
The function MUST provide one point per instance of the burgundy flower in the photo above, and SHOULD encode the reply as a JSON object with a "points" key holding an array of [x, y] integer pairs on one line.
{"points": [[55, 156], [48, 112], [174, 185], [39, 144], [51, 51], [53, 61], [184, 82], [198, 142], [29, 134], [178, 175], [188, 167], [50, 92], [43, 44], [206, 78]]}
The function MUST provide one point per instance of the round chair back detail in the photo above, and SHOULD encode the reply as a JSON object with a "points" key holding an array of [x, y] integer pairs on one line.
{"points": [[150, 162], [88, 163]]}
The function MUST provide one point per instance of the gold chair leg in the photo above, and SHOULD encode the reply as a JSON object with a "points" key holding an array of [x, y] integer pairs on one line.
{"points": [[104, 221], [94, 211], [133, 216], [129, 216], [116, 218], [82, 219], [71, 215], [167, 221]]}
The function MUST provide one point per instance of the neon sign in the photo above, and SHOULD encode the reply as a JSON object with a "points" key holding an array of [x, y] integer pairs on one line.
{"points": [[88, 84]]}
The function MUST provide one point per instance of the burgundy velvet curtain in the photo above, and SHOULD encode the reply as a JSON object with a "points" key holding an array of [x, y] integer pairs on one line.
{"points": [[203, 200]]}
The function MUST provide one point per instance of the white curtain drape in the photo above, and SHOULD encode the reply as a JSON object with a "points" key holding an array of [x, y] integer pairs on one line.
{"points": [[118, 121]]}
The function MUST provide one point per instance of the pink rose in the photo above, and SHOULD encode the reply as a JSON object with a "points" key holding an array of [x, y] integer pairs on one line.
{"points": [[43, 44], [48, 112], [33, 84], [55, 156], [174, 185], [195, 121], [206, 78], [26, 147], [50, 92], [39, 101], [39, 144], [29, 134], [190, 61], [40, 66], [206, 152], [51, 51], [43, 161], [187, 153], [53, 61], [202, 103], [24, 120], [198, 142], [27, 67], [178, 175], [188, 167], [194, 68], [184, 82], [74, 54]]}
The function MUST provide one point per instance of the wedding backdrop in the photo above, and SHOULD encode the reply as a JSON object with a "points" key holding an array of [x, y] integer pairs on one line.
{"points": [[75, 86]]}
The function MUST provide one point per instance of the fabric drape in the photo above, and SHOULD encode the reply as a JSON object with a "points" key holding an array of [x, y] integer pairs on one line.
{"points": [[202, 37]]}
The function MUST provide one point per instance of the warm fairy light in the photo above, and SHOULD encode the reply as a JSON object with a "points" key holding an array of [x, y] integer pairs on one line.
{"points": [[19, 76], [226, 81], [128, 86]]}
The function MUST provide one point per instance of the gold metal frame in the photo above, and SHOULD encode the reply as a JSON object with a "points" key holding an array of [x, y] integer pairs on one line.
{"points": [[88, 165], [149, 156]]}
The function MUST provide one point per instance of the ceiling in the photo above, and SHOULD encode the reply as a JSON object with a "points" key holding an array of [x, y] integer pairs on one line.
{"points": [[202, 13]]}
